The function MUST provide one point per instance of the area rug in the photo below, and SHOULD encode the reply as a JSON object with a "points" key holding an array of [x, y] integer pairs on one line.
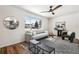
{"points": [[62, 46]]}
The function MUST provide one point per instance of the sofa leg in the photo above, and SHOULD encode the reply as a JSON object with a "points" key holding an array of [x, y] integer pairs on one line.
{"points": [[63, 38], [71, 40]]}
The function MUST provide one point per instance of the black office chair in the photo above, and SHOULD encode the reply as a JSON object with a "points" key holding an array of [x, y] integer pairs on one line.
{"points": [[72, 36], [64, 34]]}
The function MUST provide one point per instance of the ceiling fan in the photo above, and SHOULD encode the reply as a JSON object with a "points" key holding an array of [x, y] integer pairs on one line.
{"points": [[51, 10]]}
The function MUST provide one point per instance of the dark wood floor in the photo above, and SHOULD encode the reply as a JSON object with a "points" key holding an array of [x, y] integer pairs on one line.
{"points": [[19, 48]]}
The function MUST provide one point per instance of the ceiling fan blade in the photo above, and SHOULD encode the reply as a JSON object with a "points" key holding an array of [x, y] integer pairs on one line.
{"points": [[44, 11], [56, 7]]}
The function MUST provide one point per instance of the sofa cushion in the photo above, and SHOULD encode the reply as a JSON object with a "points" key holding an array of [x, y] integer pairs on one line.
{"points": [[35, 32], [40, 31], [38, 36]]}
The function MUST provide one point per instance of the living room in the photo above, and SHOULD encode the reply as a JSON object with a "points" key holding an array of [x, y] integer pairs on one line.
{"points": [[26, 15]]}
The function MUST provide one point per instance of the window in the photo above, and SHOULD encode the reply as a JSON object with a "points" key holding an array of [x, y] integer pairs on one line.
{"points": [[32, 22]]}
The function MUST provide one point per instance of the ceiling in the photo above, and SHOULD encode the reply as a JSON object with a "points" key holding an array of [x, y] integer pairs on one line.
{"points": [[39, 8]]}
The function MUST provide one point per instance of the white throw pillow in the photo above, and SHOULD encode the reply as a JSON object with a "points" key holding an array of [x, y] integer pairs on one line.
{"points": [[34, 33], [40, 31], [69, 33]]}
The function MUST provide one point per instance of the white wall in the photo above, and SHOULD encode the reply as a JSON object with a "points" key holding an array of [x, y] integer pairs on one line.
{"points": [[69, 14], [9, 37]]}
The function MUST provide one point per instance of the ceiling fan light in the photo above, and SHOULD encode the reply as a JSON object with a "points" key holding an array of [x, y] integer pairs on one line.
{"points": [[53, 13], [51, 6]]}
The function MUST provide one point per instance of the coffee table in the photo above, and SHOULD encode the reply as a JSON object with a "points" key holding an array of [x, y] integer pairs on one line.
{"points": [[33, 46], [45, 48], [37, 46]]}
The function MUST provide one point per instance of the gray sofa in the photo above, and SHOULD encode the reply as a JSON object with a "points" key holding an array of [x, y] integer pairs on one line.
{"points": [[37, 35]]}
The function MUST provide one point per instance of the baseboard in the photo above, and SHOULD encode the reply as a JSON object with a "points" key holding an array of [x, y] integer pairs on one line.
{"points": [[12, 44]]}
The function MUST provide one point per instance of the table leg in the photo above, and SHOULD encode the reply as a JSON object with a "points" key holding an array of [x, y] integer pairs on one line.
{"points": [[42, 51], [54, 50], [29, 46]]}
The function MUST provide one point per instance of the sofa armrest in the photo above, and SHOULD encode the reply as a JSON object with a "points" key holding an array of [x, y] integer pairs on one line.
{"points": [[28, 37]]}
